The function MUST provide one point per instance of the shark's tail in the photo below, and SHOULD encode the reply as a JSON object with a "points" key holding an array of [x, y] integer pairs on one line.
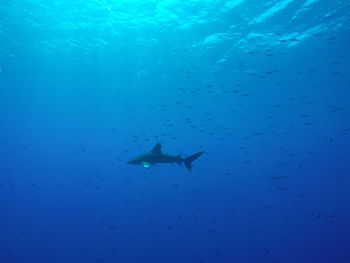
{"points": [[188, 160]]}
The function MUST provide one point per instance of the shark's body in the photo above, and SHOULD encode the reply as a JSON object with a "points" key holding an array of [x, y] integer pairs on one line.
{"points": [[156, 156]]}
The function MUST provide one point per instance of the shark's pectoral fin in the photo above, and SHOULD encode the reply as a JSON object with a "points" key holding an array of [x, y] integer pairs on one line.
{"points": [[146, 164]]}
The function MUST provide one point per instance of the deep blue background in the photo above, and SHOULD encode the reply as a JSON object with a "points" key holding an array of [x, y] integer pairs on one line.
{"points": [[262, 86]]}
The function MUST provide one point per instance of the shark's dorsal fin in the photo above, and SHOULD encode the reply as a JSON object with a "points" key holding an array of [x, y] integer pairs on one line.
{"points": [[157, 149]]}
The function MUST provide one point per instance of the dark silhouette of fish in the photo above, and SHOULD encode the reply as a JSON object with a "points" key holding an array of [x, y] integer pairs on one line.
{"points": [[156, 156]]}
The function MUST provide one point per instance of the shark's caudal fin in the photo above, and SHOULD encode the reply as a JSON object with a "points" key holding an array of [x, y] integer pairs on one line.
{"points": [[188, 160]]}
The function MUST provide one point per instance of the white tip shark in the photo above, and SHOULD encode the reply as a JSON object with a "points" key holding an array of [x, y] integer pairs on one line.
{"points": [[156, 156]]}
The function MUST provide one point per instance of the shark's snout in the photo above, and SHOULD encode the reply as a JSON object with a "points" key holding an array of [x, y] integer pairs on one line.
{"points": [[132, 161]]}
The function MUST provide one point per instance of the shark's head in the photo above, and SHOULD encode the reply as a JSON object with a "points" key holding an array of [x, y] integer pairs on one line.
{"points": [[139, 161], [134, 161]]}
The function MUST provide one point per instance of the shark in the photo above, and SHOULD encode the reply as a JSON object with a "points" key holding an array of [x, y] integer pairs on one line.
{"points": [[156, 156]]}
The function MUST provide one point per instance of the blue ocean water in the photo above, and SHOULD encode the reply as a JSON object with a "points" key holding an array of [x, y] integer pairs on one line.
{"points": [[261, 86]]}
